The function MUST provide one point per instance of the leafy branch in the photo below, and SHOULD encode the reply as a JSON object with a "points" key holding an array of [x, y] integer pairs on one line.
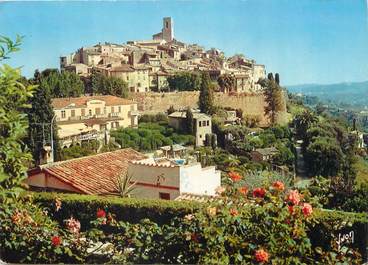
{"points": [[8, 46]]}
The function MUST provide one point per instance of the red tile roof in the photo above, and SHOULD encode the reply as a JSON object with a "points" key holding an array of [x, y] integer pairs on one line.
{"points": [[59, 103], [95, 174]]}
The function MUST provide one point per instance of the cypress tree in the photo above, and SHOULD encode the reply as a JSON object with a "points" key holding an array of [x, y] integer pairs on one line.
{"points": [[39, 117], [206, 95], [189, 121]]}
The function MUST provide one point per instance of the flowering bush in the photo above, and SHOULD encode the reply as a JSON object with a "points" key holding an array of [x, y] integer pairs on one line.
{"points": [[266, 225], [258, 225]]}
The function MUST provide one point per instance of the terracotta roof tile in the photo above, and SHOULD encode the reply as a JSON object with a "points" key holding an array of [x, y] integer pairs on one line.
{"points": [[59, 103], [95, 174]]}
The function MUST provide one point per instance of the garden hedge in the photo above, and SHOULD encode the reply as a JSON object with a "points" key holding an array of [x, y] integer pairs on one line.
{"points": [[84, 208]]}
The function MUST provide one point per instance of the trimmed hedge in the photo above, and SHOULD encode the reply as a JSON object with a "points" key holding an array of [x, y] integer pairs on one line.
{"points": [[84, 208]]}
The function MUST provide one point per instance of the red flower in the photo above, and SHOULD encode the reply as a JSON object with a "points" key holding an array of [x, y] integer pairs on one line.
{"points": [[234, 212], [259, 192], [235, 176], [194, 237], [291, 209], [243, 190], [56, 240], [278, 185], [293, 197], [261, 256], [307, 209], [101, 213]]}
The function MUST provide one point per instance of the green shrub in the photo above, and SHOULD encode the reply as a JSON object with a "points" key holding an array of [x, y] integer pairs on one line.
{"points": [[83, 207]]}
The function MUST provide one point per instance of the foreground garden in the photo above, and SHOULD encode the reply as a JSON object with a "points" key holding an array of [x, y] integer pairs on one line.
{"points": [[270, 224]]}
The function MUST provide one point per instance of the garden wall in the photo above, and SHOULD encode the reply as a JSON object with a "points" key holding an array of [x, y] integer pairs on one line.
{"points": [[251, 104]]}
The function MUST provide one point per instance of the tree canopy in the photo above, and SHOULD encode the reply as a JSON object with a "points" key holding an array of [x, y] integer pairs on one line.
{"points": [[106, 85]]}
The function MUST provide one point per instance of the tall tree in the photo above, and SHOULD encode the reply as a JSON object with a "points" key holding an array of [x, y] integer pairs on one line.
{"points": [[274, 98], [40, 116], [189, 121], [206, 97], [13, 125], [277, 78]]}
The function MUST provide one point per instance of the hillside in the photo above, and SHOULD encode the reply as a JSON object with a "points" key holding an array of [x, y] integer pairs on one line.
{"points": [[351, 93]]}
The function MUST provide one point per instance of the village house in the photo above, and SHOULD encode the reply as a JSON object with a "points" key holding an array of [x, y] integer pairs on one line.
{"points": [[202, 124], [263, 154], [89, 117], [98, 174]]}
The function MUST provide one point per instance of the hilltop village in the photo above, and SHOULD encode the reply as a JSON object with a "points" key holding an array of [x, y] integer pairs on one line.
{"points": [[145, 65]]}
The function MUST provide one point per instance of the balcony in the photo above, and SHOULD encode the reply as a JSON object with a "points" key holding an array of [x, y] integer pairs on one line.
{"points": [[114, 114]]}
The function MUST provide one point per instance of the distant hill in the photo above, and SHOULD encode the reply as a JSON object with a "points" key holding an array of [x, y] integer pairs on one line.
{"points": [[351, 93]]}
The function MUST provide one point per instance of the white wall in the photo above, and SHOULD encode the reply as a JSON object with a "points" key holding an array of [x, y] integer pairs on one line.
{"points": [[197, 180]]}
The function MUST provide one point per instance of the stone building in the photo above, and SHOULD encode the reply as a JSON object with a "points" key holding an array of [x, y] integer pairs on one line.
{"points": [[167, 32], [89, 117], [202, 124]]}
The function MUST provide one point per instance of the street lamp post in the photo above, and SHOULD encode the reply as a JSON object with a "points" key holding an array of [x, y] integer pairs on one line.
{"points": [[52, 137]]}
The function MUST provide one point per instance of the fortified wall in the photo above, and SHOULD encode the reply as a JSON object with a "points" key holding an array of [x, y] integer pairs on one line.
{"points": [[251, 104]]}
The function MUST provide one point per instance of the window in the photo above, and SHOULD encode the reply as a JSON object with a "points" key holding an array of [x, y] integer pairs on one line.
{"points": [[119, 108], [83, 112], [164, 196], [90, 112], [167, 24], [63, 114], [200, 124], [112, 109], [208, 123], [98, 111], [72, 113], [200, 136]]}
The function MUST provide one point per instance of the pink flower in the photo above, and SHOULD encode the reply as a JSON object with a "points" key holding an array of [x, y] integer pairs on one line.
{"points": [[259, 192], [73, 225], [261, 256], [235, 176], [101, 213], [293, 197], [278, 185], [55, 241], [220, 190], [307, 209]]}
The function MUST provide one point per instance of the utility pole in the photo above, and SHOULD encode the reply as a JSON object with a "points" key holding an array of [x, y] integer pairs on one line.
{"points": [[52, 138]]}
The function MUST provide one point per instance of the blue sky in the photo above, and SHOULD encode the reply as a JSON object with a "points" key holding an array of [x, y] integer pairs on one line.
{"points": [[306, 41]]}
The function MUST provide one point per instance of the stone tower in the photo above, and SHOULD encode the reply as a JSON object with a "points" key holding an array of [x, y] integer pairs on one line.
{"points": [[168, 29]]}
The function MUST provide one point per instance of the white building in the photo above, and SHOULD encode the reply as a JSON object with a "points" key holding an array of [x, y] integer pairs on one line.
{"points": [[166, 179]]}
